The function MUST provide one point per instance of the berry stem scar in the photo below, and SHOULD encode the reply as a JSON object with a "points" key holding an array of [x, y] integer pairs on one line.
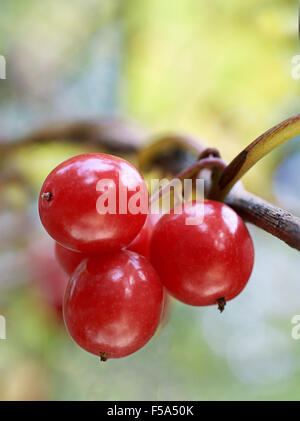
{"points": [[103, 356], [47, 196], [221, 304]]}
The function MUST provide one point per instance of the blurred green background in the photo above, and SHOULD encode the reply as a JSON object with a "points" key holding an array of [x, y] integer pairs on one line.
{"points": [[219, 70]]}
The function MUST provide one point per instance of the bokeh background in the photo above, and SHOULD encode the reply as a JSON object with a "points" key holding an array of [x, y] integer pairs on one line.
{"points": [[218, 70]]}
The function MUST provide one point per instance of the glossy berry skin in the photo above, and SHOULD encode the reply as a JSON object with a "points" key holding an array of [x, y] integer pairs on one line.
{"points": [[200, 264], [68, 259], [113, 304], [141, 244], [69, 203]]}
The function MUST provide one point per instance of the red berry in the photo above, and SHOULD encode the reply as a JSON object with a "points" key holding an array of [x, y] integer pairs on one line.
{"points": [[201, 264], [68, 259], [141, 243], [113, 304], [74, 199]]}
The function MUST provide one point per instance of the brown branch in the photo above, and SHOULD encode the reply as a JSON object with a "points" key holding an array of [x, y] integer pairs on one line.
{"points": [[114, 134], [266, 216]]}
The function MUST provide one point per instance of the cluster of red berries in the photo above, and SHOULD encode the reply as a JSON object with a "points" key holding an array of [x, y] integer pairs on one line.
{"points": [[121, 262]]}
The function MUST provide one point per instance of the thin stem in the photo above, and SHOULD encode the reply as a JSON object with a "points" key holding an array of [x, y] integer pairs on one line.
{"points": [[190, 173], [264, 144]]}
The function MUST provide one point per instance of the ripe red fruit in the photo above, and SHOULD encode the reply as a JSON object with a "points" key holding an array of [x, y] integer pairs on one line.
{"points": [[207, 263], [141, 243], [68, 259], [113, 304], [83, 203], [48, 278]]}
